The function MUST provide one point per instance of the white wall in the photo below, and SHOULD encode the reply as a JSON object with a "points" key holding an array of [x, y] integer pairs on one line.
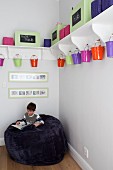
{"points": [[86, 110], [86, 107], [13, 109], [65, 10], [27, 15]]}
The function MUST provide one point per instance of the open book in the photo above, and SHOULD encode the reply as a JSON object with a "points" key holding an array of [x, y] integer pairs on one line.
{"points": [[20, 126]]}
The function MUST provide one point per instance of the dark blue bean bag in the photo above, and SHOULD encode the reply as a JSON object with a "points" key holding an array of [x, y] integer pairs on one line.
{"points": [[43, 145]]}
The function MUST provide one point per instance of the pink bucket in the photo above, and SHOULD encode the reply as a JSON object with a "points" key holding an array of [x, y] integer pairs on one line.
{"points": [[86, 54], [1, 61]]}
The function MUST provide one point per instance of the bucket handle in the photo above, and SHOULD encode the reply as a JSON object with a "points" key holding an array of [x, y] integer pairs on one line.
{"points": [[76, 50], [98, 41], [111, 37], [34, 56], [86, 47], [69, 53], [17, 56], [61, 56], [2, 56]]}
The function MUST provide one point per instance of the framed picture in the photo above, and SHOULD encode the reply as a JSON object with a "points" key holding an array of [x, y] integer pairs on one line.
{"points": [[28, 92], [28, 77], [23, 38]]}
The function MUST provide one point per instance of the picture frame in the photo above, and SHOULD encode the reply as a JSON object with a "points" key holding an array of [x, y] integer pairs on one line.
{"points": [[28, 92], [55, 36], [28, 76], [31, 39], [80, 14]]}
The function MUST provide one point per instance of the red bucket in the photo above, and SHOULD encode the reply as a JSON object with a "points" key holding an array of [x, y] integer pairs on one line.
{"points": [[34, 61], [60, 62], [97, 52]]}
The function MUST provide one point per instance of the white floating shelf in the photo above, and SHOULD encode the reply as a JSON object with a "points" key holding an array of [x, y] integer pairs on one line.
{"points": [[26, 47], [25, 52], [100, 27]]}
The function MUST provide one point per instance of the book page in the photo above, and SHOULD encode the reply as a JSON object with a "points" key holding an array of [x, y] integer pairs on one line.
{"points": [[19, 126]]}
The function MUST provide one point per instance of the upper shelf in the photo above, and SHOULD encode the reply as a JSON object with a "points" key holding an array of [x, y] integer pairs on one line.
{"points": [[100, 27], [24, 47]]}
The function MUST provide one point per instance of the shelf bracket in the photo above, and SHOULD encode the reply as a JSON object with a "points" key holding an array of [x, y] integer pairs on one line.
{"points": [[103, 31], [65, 48], [82, 41], [42, 53], [54, 52]]}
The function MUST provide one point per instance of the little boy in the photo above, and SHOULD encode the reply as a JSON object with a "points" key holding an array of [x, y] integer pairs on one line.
{"points": [[30, 117]]}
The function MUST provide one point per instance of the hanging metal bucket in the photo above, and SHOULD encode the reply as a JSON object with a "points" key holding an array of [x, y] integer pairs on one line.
{"points": [[76, 56], [34, 61], [1, 59], [17, 60], [98, 51], [109, 47], [86, 54], [60, 62], [69, 60]]}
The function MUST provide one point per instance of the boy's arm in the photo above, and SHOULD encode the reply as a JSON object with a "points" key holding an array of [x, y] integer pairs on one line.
{"points": [[39, 119], [22, 121]]}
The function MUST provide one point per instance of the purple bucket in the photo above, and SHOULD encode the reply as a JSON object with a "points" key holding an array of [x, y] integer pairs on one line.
{"points": [[109, 48], [76, 58], [85, 56], [1, 61]]}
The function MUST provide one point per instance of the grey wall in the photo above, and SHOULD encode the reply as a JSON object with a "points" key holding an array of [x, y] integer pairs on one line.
{"points": [[27, 15], [86, 110], [65, 9], [86, 106], [13, 109]]}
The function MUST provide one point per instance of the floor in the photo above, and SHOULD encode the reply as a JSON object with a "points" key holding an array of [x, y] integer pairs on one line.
{"points": [[7, 164]]}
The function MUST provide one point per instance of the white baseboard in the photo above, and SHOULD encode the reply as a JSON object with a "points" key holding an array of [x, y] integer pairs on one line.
{"points": [[2, 143], [81, 162]]}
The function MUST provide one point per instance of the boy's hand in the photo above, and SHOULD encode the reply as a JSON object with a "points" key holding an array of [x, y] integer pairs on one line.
{"points": [[18, 122], [37, 124]]}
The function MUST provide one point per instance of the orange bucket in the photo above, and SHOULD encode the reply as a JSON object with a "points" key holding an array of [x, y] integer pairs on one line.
{"points": [[34, 61], [98, 52], [60, 62]]}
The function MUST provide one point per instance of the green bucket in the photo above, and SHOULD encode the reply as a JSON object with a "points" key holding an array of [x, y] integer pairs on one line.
{"points": [[17, 62], [69, 60]]}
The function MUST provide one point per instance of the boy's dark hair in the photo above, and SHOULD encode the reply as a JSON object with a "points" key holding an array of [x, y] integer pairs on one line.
{"points": [[31, 106]]}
